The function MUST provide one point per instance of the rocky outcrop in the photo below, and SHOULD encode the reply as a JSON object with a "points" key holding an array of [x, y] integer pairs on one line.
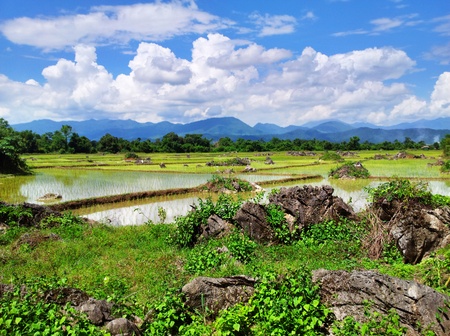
{"points": [[310, 205], [417, 232], [50, 197], [417, 229], [215, 294], [122, 326], [36, 214], [215, 227], [417, 305], [251, 217]]}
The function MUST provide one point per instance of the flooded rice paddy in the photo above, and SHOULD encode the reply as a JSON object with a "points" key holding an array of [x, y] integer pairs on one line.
{"points": [[75, 184]]}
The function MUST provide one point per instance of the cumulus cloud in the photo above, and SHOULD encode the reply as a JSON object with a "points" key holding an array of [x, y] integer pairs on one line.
{"points": [[113, 24], [440, 98], [226, 77]]}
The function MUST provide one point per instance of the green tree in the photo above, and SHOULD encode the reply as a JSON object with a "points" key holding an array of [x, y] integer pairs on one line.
{"points": [[445, 145], [10, 161], [108, 143]]}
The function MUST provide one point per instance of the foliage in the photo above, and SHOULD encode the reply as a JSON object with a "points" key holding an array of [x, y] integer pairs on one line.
{"points": [[204, 258], [331, 156], [10, 143], [377, 324], [188, 227], [12, 215], [24, 312], [67, 225], [218, 182], [282, 305], [277, 221], [349, 169], [330, 231], [405, 191], [131, 155], [241, 247], [445, 168]]}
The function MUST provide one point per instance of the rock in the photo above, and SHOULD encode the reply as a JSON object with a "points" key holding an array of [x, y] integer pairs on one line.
{"points": [[38, 212], [215, 227], [122, 326], [346, 294], [249, 169], [98, 311], [311, 205], [66, 294], [418, 231], [162, 165], [269, 161], [50, 197], [33, 239], [251, 217], [215, 294]]}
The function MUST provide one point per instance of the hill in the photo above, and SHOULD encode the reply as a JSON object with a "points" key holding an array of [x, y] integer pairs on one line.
{"points": [[429, 131]]}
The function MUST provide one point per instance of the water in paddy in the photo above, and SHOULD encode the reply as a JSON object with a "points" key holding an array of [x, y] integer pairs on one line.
{"points": [[79, 184], [352, 192]]}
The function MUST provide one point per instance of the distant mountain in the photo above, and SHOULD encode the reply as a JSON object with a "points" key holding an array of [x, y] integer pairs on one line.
{"points": [[275, 129], [216, 128], [333, 127]]}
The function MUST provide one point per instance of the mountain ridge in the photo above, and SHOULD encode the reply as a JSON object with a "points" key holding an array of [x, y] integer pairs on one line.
{"points": [[429, 131]]}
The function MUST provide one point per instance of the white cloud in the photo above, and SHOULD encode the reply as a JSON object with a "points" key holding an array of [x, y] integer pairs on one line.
{"points": [[274, 24], [113, 24], [441, 53], [440, 98], [443, 25], [225, 77]]}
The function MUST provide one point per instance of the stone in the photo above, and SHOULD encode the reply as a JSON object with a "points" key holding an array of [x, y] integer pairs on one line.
{"points": [[347, 293], [122, 326], [212, 295], [98, 311], [251, 217], [215, 227], [311, 205]]}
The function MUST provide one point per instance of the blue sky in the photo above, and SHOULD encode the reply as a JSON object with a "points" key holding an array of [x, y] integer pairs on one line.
{"points": [[284, 62]]}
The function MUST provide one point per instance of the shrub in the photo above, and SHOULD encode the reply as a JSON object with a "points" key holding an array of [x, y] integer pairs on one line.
{"points": [[275, 218], [405, 191], [330, 156], [349, 170]]}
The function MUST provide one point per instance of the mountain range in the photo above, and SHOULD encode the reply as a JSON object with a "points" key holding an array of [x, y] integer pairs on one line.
{"points": [[429, 131]]}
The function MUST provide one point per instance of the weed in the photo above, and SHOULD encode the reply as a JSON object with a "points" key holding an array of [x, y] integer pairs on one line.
{"points": [[275, 218]]}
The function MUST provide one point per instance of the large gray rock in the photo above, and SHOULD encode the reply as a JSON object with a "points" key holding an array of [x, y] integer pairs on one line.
{"points": [[98, 311], [346, 294], [417, 232], [311, 205], [251, 217], [215, 227], [215, 294], [122, 326]]}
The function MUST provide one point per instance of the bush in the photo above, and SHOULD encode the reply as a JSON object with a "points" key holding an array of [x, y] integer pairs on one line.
{"points": [[349, 170], [275, 218]]}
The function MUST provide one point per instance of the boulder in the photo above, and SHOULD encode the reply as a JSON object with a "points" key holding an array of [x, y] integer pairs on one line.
{"points": [[311, 205], [212, 295], [418, 231], [98, 311], [347, 294], [251, 217], [64, 295], [122, 326], [215, 227], [50, 197]]}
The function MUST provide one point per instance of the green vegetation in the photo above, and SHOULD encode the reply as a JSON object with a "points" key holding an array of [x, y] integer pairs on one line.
{"points": [[406, 191], [10, 161], [350, 170], [142, 268]]}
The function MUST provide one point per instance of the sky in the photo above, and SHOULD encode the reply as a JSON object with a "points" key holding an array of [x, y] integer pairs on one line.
{"points": [[285, 62]]}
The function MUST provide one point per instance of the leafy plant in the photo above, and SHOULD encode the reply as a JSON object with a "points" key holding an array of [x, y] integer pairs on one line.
{"points": [[281, 305], [241, 247], [275, 217], [405, 190], [350, 169], [329, 231], [376, 324], [330, 156], [203, 258]]}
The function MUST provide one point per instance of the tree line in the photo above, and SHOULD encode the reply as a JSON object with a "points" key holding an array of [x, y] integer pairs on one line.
{"points": [[66, 140]]}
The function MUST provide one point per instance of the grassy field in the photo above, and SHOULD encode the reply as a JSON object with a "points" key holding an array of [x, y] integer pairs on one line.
{"points": [[142, 269]]}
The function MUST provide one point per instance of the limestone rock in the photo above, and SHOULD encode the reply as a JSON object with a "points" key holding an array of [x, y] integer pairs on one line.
{"points": [[346, 293], [98, 311], [310, 205], [215, 227], [216, 294], [251, 217], [122, 326]]}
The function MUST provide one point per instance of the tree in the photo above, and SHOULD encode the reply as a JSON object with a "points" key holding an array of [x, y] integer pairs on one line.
{"points": [[10, 161], [445, 145]]}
